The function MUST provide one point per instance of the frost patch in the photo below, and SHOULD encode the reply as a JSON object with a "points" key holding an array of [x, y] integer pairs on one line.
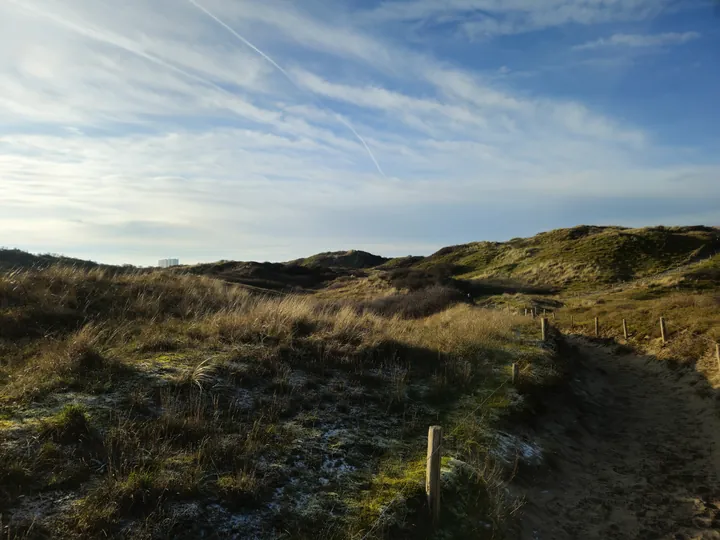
{"points": [[38, 507], [297, 379], [509, 448], [235, 526], [301, 503], [336, 467], [243, 400], [516, 400]]}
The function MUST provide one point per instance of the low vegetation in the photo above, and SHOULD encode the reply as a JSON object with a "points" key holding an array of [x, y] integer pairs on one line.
{"points": [[354, 259], [687, 297], [692, 319], [11, 259], [161, 404], [261, 400], [269, 276], [580, 258]]}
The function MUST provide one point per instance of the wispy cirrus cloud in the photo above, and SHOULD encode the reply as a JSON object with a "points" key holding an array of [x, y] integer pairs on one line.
{"points": [[488, 18], [149, 131], [640, 40]]}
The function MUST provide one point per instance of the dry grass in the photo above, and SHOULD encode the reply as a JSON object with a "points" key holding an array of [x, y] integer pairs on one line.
{"points": [[196, 394], [581, 258], [357, 288], [692, 320]]}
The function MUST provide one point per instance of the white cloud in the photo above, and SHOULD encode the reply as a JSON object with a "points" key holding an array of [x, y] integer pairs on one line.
{"points": [[490, 18], [132, 132], [641, 40]]}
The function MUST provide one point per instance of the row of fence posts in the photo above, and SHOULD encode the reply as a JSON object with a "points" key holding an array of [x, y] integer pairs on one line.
{"points": [[663, 325], [432, 472], [432, 475]]}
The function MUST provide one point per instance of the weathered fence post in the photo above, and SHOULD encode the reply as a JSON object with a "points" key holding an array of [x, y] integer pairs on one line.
{"points": [[515, 373], [663, 330], [432, 476], [625, 332], [597, 327], [544, 328]]}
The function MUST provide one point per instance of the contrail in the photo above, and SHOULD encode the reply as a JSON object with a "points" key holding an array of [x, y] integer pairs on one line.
{"points": [[245, 41], [287, 76], [92, 33], [349, 126], [114, 41]]}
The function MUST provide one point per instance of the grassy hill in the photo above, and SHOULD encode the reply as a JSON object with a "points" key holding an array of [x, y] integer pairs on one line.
{"points": [[191, 403], [580, 257], [342, 259], [285, 277], [15, 258], [168, 405], [401, 262]]}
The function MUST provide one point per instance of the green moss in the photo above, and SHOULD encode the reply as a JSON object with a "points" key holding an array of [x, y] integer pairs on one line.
{"points": [[133, 496], [396, 481], [239, 490], [70, 425], [68, 476]]}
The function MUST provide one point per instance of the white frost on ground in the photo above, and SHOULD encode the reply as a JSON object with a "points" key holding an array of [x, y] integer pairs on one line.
{"points": [[508, 448], [235, 526], [297, 379], [336, 467]]}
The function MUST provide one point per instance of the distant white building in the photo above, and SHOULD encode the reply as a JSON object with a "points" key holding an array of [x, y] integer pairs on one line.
{"points": [[167, 263]]}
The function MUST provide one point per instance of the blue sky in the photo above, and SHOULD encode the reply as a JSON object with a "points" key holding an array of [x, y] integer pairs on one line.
{"points": [[270, 130]]}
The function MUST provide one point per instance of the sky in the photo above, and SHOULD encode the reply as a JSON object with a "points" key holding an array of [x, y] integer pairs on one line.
{"points": [[270, 130]]}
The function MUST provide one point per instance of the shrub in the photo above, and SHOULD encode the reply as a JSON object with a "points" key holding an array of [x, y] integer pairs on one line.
{"points": [[414, 279], [421, 303], [69, 426]]}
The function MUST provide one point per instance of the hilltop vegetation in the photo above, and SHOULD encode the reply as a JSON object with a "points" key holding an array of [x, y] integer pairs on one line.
{"points": [[272, 276], [342, 259], [15, 258], [578, 258], [687, 297], [581, 257]]}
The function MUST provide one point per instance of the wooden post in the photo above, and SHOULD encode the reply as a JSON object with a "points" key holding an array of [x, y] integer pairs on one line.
{"points": [[543, 312], [553, 315], [544, 328], [625, 332], [717, 354], [534, 313], [663, 330], [515, 373], [432, 476], [526, 312], [597, 327]]}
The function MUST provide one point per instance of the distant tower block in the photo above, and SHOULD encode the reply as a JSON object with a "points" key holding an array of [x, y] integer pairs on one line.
{"points": [[167, 263]]}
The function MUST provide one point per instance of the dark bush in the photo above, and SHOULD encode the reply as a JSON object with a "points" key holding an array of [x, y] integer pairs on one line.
{"points": [[417, 304], [415, 279]]}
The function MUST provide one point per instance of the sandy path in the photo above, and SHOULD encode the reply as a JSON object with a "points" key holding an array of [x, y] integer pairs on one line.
{"points": [[633, 451]]}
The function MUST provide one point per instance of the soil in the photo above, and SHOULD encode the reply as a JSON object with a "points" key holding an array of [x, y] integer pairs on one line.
{"points": [[632, 450]]}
